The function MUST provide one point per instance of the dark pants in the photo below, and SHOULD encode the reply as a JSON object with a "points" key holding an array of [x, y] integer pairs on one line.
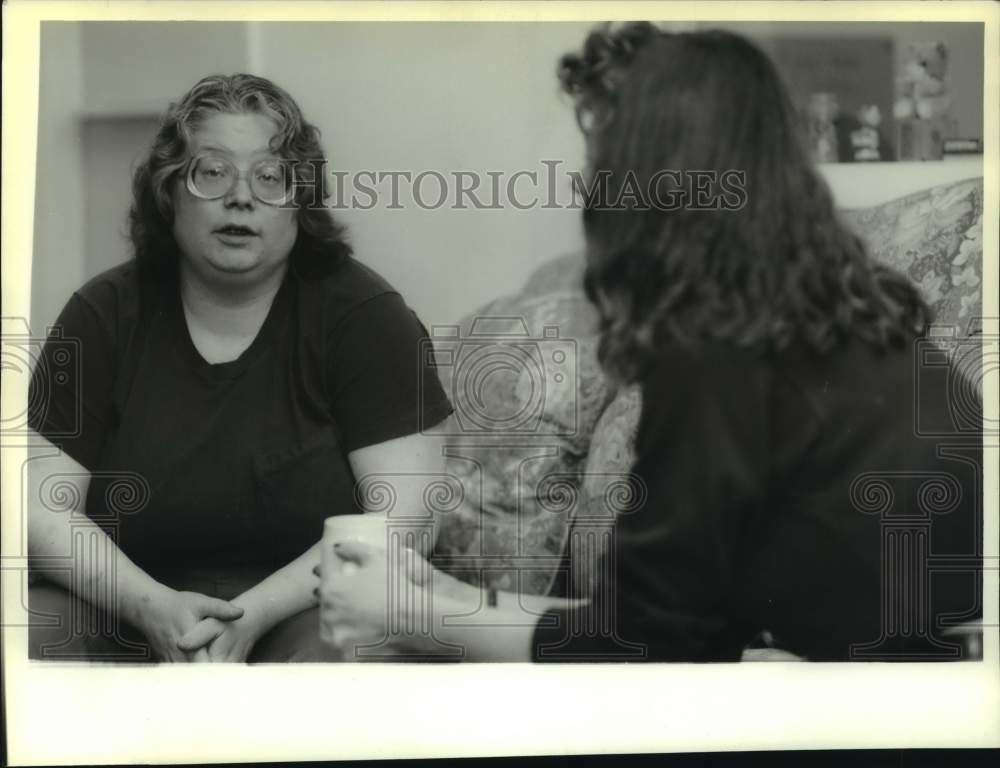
{"points": [[66, 628]]}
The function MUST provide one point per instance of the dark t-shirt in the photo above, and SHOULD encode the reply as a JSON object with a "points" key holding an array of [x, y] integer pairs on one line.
{"points": [[202, 465], [833, 500]]}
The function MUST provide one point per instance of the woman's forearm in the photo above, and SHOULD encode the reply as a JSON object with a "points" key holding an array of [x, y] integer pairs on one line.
{"points": [[539, 603], [450, 587], [99, 571], [284, 593], [503, 632]]}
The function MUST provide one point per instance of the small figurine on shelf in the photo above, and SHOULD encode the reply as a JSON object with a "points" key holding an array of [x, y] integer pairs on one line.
{"points": [[921, 89], [823, 110], [922, 103], [865, 138]]}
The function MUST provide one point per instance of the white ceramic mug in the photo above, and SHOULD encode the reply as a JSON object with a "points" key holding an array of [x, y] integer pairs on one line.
{"points": [[369, 528]]}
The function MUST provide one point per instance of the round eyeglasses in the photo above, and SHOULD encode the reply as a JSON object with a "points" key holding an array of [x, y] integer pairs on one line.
{"points": [[211, 177]]}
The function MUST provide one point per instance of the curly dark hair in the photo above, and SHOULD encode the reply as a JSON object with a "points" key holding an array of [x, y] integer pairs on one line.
{"points": [[777, 268], [320, 243]]}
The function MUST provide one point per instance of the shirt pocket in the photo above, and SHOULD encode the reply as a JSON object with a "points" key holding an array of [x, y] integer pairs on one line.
{"points": [[297, 488]]}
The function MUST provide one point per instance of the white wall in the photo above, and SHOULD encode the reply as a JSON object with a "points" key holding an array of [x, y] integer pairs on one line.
{"points": [[443, 97], [58, 260], [965, 53], [388, 97], [137, 67], [863, 185]]}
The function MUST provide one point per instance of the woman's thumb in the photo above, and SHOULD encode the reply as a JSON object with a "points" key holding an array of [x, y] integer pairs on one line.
{"points": [[199, 636], [353, 551], [220, 609]]}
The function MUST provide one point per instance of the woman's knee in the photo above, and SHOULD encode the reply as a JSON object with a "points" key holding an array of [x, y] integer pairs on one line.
{"points": [[65, 627], [50, 622], [294, 640]]}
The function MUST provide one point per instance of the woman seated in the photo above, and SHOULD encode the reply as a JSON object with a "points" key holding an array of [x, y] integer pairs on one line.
{"points": [[787, 491], [235, 379]]}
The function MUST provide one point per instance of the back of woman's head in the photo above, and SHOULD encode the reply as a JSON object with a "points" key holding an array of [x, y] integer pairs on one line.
{"points": [[705, 218], [320, 242]]}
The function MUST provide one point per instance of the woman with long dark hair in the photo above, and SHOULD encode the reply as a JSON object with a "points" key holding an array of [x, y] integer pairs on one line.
{"points": [[779, 373]]}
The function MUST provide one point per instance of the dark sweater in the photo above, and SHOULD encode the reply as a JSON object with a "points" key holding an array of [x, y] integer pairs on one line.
{"points": [[833, 500]]}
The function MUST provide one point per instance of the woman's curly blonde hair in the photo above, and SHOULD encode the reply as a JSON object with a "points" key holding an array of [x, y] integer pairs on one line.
{"points": [[320, 242]]}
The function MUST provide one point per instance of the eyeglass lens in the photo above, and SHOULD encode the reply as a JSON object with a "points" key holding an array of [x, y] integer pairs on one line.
{"points": [[214, 177]]}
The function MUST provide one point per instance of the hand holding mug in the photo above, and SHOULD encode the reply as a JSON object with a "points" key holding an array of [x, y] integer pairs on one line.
{"points": [[359, 574]]}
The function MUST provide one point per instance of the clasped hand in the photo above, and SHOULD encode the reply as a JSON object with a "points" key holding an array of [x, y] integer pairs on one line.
{"points": [[183, 626], [221, 639]]}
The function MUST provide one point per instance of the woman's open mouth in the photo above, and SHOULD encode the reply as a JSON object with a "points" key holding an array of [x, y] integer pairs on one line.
{"points": [[234, 234], [235, 230]]}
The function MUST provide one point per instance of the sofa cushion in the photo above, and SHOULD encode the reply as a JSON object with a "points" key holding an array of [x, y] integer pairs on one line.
{"points": [[523, 377], [606, 487], [934, 237]]}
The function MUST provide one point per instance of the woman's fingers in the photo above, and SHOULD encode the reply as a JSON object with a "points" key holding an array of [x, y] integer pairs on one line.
{"points": [[200, 635], [354, 551], [418, 569], [219, 609], [344, 639], [768, 654], [201, 656]]}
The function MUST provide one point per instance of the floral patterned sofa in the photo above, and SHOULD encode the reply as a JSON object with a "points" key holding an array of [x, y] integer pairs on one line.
{"points": [[551, 471]]}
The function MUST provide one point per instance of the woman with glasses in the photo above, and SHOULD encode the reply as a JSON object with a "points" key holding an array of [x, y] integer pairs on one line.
{"points": [[788, 493], [234, 379]]}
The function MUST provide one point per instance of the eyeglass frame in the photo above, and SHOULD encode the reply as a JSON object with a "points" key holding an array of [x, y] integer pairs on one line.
{"points": [[240, 175]]}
